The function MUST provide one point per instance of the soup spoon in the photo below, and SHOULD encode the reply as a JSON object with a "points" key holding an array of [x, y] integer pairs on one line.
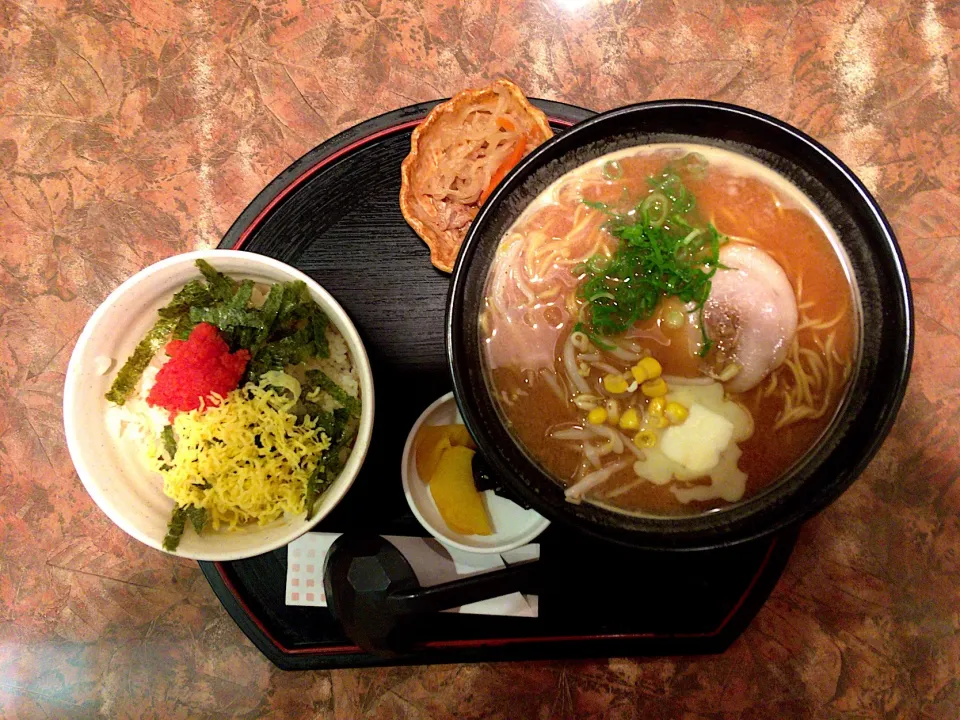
{"points": [[372, 590]]}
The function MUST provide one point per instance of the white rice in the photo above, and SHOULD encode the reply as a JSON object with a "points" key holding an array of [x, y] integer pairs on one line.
{"points": [[137, 421]]}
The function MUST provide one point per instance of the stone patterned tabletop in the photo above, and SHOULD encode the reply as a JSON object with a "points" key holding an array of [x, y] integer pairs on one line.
{"points": [[130, 132]]}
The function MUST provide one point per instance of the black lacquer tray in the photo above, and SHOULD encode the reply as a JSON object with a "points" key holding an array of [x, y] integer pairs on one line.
{"points": [[334, 214]]}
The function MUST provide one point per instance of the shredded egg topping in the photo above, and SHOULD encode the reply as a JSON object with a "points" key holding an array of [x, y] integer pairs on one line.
{"points": [[245, 458]]}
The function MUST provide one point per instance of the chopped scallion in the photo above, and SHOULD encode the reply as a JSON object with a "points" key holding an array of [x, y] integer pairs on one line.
{"points": [[663, 251]]}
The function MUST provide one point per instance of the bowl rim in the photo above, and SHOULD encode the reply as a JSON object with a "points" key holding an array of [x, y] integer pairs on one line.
{"points": [[672, 534], [75, 434], [527, 537]]}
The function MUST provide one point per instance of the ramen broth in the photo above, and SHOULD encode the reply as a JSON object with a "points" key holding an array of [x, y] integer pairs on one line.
{"points": [[534, 299]]}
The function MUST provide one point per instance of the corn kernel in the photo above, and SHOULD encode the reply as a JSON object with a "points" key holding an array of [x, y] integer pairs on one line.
{"points": [[630, 420], [676, 413], [651, 367], [654, 388], [656, 406], [654, 422], [639, 374], [597, 416], [615, 383], [645, 439]]}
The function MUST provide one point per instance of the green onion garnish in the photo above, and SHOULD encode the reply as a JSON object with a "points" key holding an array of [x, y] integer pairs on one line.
{"points": [[612, 170], [664, 251]]}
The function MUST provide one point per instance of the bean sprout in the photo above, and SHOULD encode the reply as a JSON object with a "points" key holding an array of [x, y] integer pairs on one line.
{"points": [[575, 492]]}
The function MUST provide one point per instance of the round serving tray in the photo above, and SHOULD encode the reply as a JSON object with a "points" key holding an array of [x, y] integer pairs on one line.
{"points": [[335, 215]]}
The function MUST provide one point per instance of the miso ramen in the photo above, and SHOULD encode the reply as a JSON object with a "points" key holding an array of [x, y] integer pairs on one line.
{"points": [[668, 328]]}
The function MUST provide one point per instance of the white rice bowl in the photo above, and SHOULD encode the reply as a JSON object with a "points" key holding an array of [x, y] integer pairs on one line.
{"points": [[107, 442]]}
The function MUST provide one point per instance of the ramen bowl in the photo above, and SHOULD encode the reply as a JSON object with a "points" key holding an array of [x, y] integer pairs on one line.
{"points": [[111, 468], [876, 369]]}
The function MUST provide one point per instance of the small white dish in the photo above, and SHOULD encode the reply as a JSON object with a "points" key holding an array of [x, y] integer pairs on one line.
{"points": [[513, 526], [110, 469]]}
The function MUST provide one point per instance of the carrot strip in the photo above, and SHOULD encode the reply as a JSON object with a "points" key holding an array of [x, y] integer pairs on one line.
{"points": [[515, 156], [505, 123]]}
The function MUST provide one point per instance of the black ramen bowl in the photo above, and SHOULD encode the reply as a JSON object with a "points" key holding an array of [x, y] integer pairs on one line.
{"points": [[881, 363]]}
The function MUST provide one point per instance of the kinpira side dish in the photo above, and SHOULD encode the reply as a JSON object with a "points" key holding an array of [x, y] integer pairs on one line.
{"points": [[458, 155]]}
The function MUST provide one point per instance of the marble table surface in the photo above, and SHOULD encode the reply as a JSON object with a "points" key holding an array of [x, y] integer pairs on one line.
{"points": [[133, 131]]}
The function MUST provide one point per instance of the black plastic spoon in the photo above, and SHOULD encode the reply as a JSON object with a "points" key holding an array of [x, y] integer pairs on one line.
{"points": [[372, 590]]}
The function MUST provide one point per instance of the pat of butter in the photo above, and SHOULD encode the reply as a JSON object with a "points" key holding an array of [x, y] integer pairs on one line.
{"points": [[698, 442]]}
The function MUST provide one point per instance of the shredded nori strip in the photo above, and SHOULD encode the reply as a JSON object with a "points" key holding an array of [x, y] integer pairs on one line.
{"points": [[295, 297], [340, 432], [169, 441], [198, 517], [328, 469], [320, 379], [178, 521], [133, 368], [193, 294], [305, 408], [291, 350], [317, 323], [294, 329], [227, 318], [316, 486], [268, 313], [337, 427], [175, 529], [184, 327], [232, 317], [341, 416], [221, 286]]}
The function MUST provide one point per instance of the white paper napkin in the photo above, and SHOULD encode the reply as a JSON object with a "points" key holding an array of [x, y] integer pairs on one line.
{"points": [[432, 563]]}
